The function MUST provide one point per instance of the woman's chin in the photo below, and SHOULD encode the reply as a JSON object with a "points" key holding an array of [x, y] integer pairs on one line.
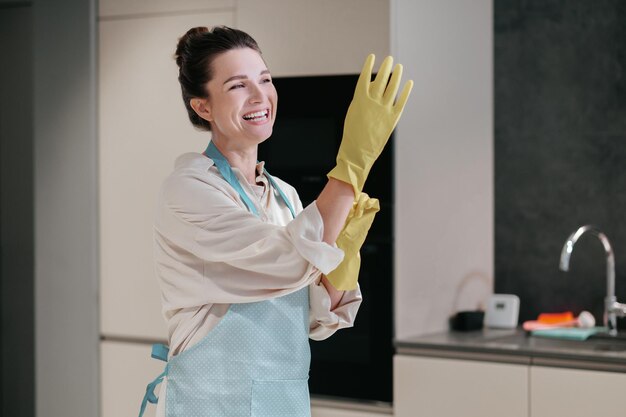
{"points": [[261, 135]]}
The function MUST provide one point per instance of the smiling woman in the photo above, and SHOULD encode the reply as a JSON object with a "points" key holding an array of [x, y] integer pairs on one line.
{"points": [[246, 273]]}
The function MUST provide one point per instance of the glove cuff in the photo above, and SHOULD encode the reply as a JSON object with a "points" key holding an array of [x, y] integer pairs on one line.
{"points": [[351, 174]]}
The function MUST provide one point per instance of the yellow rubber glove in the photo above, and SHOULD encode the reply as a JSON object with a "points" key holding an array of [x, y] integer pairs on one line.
{"points": [[350, 240], [371, 118]]}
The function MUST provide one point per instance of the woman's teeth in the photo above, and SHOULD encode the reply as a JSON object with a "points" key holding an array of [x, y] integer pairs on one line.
{"points": [[260, 115]]}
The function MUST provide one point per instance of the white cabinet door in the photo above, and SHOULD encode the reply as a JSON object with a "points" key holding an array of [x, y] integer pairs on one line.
{"points": [[576, 393], [143, 127], [433, 387], [126, 369], [318, 37], [117, 8]]}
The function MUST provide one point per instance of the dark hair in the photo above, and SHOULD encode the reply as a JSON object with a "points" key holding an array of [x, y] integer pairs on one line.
{"points": [[195, 53]]}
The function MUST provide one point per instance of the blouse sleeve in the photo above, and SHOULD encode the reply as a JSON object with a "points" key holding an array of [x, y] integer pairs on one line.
{"points": [[323, 321], [244, 259]]}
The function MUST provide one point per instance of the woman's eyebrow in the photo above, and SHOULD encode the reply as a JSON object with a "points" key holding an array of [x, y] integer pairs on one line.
{"points": [[244, 77]]}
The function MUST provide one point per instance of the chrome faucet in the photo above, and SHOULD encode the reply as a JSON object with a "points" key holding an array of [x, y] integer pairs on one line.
{"points": [[612, 309]]}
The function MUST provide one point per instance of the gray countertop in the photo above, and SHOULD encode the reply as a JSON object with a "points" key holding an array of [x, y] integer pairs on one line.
{"points": [[517, 347]]}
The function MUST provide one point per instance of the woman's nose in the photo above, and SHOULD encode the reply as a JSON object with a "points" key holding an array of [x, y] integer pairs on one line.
{"points": [[256, 94]]}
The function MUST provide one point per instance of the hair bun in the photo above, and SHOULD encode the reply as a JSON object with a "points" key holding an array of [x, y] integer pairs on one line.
{"points": [[182, 49]]}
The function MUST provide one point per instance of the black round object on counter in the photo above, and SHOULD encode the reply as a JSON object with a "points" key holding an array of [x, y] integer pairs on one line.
{"points": [[467, 320]]}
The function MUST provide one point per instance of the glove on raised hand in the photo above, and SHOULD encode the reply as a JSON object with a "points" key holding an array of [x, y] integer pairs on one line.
{"points": [[370, 119], [350, 240]]}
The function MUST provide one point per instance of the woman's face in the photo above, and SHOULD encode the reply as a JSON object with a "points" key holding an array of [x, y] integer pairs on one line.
{"points": [[242, 98]]}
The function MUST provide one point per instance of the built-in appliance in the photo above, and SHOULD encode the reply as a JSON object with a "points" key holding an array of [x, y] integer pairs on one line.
{"points": [[354, 363]]}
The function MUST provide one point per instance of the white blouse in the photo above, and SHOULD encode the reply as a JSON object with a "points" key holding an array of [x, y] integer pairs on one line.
{"points": [[210, 251]]}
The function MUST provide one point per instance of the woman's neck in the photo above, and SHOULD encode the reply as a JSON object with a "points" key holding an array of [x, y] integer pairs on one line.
{"points": [[244, 159]]}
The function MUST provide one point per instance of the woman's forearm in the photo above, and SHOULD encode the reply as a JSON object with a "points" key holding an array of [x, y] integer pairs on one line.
{"points": [[334, 203]]}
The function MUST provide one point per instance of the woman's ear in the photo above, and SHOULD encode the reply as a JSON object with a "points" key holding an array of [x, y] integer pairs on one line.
{"points": [[202, 108]]}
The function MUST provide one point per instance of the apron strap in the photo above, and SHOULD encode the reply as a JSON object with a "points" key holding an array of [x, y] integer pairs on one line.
{"points": [[227, 173], [159, 351]]}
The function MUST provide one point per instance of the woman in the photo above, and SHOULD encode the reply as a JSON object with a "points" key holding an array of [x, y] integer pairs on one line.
{"points": [[247, 274]]}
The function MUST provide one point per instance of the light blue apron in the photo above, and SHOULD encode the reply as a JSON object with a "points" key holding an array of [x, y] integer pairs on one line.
{"points": [[254, 363]]}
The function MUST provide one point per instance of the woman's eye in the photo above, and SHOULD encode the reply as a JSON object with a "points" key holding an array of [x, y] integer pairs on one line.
{"points": [[240, 85], [267, 80]]}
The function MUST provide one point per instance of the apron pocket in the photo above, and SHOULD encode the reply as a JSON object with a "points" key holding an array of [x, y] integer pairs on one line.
{"points": [[210, 398], [281, 398]]}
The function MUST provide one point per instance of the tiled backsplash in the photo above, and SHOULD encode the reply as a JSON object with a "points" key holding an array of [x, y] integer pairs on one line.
{"points": [[560, 149]]}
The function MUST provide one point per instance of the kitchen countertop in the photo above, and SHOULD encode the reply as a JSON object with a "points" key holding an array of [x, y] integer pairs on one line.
{"points": [[515, 346]]}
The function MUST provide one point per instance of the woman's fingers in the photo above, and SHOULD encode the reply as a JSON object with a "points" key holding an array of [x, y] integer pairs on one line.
{"points": [[394, 84], [383, 89], [378, 86], [404, 96], [363, 83]]}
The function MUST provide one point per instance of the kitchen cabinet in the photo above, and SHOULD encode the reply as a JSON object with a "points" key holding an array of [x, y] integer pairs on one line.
{"points": [[432, 387], [429, 386], [576, 393], [141, 8], [126, 369], [322, 37]]}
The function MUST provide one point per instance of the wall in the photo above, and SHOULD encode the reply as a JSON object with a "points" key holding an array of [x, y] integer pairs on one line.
{"points": [[66, 218], [17, 337], [444, 162], [560, 148]]}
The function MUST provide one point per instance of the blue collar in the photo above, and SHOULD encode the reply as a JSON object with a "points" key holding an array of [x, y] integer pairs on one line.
{"points": [[227, 173]]}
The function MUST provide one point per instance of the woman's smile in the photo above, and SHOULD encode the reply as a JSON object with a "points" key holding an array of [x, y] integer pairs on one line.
{"points": [[257, 117]]}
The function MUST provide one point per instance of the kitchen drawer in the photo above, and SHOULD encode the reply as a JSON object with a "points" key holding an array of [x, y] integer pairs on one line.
{"points": [[436, 387], [126, 369], [576, 393]]}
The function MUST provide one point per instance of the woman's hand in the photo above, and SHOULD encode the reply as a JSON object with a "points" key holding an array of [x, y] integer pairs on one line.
{"points": [[371, 118]]}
